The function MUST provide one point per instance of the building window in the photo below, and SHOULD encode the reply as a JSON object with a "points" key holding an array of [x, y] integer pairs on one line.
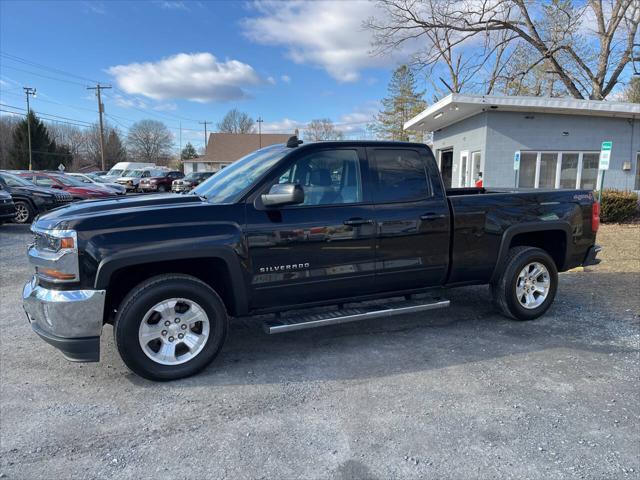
{"points": [[589, 177], [637, 183], [569, 170], [548, 166], [528, 161], [559, 170]]}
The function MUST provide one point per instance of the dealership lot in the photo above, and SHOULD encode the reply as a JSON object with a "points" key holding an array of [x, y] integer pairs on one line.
{"points": [[459, 393]]}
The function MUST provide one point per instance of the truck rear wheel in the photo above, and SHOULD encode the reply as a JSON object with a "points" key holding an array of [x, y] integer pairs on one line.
{"points": [[170, 327], [527, 284]]}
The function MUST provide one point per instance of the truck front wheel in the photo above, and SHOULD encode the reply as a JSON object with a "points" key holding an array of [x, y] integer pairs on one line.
{"points": [[170, 327], [527, 284]]}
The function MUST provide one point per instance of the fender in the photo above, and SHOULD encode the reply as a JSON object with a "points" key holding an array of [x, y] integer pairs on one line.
{"points": [[532, 227], [110, 264]]}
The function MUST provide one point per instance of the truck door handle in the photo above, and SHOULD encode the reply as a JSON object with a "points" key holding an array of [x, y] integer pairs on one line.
{"points": [[357, 221], [432, 216]]}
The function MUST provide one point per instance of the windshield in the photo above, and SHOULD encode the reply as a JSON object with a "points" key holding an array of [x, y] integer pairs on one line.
{"points": [[133, 173], [115, 172], [69, 181], [194, 175], [14, 181], [97, 178], [227, 185]]}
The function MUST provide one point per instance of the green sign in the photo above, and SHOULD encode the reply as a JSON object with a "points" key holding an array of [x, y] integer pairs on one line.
{"points": [[605, 155]]}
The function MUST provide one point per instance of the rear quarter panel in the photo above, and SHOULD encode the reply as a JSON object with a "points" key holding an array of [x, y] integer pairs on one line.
{"points": [[484, 224]]}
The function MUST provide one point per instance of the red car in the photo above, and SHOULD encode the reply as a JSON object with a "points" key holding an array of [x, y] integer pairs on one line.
{"points": [[159, 184], [77, 189]]}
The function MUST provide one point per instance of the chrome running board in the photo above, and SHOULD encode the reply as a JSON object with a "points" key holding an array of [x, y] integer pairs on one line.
{"points": [[289, 321]]}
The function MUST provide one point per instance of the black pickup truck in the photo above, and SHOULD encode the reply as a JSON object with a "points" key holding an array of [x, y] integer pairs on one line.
{"points": [[312, 235]]}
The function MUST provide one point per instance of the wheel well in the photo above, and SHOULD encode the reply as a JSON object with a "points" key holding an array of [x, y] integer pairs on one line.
{"points": [[554, 242], [213, 271]]}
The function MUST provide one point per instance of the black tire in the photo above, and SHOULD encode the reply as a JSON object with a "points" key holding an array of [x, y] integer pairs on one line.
{"points": [[503, 290], [22, 204], [147, 294]]}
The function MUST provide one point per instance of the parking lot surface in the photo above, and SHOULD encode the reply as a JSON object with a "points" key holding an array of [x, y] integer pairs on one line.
{"points": [[458, 393]]}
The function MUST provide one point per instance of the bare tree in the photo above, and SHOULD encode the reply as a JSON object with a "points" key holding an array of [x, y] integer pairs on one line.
{"points": [[73, 138], [562, 35], [149, 141], [321, 130], [7, 126], [236, 121]]}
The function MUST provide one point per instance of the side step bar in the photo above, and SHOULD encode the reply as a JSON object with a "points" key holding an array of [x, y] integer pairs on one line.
{"points": [[290, 321]]}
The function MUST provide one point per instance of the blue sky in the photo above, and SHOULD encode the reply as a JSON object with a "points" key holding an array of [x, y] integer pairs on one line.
{"points": [[193, 61]]}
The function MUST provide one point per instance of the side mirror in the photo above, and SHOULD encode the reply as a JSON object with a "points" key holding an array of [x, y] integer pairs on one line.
{"points": [[56, 186], [282, 194]]}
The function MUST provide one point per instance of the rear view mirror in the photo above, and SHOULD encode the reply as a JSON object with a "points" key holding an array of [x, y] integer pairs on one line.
{"points": [[282, 194]]}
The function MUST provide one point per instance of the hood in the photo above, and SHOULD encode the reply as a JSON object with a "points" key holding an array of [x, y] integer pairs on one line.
{"points": [[99, 210], [43, 190], [4, 195]]}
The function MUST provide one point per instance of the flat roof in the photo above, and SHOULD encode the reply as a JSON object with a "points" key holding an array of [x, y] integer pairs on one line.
{"points": [[456, 107]]}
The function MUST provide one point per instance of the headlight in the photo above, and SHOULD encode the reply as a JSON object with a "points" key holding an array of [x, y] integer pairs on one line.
{"points": [[55, 255]]}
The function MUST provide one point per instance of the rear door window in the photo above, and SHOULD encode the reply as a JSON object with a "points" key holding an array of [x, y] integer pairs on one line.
{"points": [[43, 181], [401, 176]]}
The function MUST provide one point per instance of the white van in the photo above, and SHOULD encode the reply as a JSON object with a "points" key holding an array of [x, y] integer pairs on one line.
{"points": [[119, 168]]}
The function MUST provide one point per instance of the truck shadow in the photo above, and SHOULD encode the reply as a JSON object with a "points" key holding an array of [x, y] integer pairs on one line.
{"points": [[584, 317]]}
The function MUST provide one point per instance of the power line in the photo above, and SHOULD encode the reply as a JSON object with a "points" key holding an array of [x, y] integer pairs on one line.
{"points": [[43, 76], [45, 119], [48, 114], [18, 59]]}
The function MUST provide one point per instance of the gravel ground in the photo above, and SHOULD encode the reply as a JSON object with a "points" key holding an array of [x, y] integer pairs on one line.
{"points": [[459, 393]]}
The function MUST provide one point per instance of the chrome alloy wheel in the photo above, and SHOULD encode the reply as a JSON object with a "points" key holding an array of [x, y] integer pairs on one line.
{"points": [[174, 331], [22, 213], [533, 285]]}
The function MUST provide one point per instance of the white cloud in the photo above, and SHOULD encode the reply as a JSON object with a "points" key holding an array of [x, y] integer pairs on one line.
{"points": [[172, 5], [271, 80], [285, 78], [286, 125], [328, 34], [198, 77]]}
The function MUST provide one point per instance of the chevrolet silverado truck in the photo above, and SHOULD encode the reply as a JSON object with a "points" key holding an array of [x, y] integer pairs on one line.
{"points": [[302, 235]]}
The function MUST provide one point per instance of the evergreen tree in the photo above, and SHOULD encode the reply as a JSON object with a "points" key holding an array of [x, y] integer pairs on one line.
{"points": [[188, 152], [46, 154], [114, 150], [402, 103]]}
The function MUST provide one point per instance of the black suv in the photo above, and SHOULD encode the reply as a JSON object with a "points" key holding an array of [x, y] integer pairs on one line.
{"points": [[30, 200]]}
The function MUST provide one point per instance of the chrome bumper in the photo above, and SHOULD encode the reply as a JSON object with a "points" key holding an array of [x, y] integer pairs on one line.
{"points": [[70, 320]]}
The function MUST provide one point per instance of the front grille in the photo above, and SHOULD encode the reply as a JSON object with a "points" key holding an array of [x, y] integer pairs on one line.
{"points": [[62, 199]]}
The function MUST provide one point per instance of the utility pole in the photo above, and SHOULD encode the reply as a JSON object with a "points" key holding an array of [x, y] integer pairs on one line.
{"points": [[98, 88], [29, 91], [259, 121], [181, 142], [205, 123]]}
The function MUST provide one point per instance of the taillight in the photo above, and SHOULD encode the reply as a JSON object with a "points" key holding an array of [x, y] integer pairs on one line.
{"points": [[595, 216]]}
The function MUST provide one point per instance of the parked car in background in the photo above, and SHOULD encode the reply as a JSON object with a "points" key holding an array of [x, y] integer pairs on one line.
{"points": [[7, 207], [121, 167], [160, 183], [100, 173], [131, 178], [190, 181], [29, 199], [77, 189], [92, 179]]}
